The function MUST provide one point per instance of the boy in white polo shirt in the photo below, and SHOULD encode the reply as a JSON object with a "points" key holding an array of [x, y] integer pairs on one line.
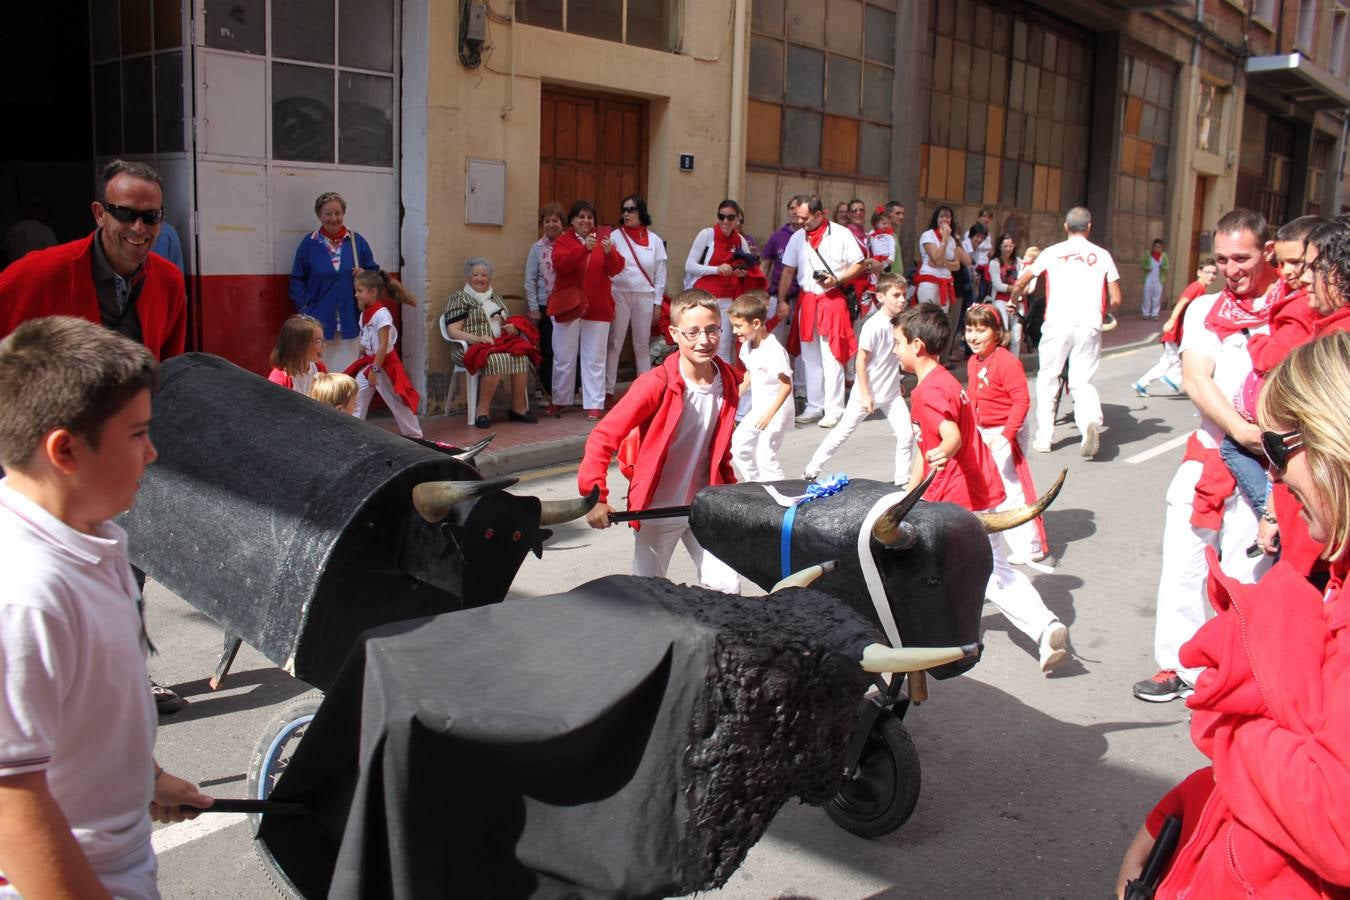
{"points": [[78, 780]]}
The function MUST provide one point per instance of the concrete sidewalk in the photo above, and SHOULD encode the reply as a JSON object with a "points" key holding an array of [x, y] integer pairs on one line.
{"points": [[517, 447]]}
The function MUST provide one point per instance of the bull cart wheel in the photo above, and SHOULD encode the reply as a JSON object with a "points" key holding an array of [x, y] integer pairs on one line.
{"points": [[270, 757], [882, 794]]}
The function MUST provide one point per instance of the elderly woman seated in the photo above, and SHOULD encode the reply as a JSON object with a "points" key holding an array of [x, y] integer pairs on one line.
{"points": [[498, 344]]}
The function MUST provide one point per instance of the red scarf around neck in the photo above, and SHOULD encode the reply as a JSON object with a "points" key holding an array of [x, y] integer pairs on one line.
{"points": [[1231, 314], [638, 234], [334, 238], [815, 237]]}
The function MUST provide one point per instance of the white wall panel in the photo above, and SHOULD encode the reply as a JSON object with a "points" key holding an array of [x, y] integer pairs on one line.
{"points": [[232, 107]]}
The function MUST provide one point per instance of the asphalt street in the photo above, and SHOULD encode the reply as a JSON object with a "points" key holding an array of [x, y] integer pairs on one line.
{"points": [[1032, 786]]}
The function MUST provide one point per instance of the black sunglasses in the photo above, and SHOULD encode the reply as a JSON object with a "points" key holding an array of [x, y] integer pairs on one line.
{"points": [[127, 216], [628, 209], [727, 217], [1279, 446]]}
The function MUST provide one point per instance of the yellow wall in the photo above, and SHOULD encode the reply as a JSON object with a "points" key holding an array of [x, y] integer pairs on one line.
{"points": [[486, 113]]}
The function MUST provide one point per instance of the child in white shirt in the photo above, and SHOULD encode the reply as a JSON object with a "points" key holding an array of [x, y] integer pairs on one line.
{"points": [[768, 381], [877, 385], [78, 780]]}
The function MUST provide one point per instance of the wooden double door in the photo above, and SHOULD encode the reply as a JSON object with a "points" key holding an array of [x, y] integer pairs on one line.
{"points": [[591, 147]]}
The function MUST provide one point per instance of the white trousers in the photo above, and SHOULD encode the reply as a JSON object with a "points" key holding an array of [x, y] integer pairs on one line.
{"points": [[1081, 347], [1014, 595], [824, 379], [1183, 602], [1023, 541], [726, 339], [405, 418], [338, 354], [1152, 297], [579, 339], [755, 452], [630, 310], [1168, 366], [897, 414], [654, 543]]}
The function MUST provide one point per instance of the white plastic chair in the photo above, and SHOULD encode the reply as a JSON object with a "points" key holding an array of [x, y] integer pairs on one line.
{"points": [[470, 381]]}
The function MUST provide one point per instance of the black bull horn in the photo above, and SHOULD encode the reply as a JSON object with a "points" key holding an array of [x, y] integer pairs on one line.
{"points": [[1011, 518]]}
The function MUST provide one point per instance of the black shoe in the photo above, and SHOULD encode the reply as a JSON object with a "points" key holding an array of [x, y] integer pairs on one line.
{"points": [[526, 417], [166, 701], [482, 422]]}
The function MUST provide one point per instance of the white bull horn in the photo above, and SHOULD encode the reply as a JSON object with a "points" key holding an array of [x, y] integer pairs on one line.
{"points": [[433, 499], [468, 453], [556, 512], [804, 577], [889, 529], [880, 658], [1011, 518]]}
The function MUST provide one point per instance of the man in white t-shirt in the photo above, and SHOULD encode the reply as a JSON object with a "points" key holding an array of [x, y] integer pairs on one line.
{"points": [[1080, 280], [1214, 365], [822, 257]]}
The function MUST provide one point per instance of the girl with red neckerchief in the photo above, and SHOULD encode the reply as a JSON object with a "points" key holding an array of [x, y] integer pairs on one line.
{"points": [[719, 262], [380, 368]]}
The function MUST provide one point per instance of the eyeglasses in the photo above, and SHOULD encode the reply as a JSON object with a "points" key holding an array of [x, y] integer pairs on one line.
{"points": [[628, 209], [713, 332], [1279, 446], [127, 216], [726, 217]]}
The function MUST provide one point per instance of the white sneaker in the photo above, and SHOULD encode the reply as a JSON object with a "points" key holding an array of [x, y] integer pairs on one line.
{"points": [[807, 418], [1054, 646], [1040, 446], [1092, 441], [829, 421]]}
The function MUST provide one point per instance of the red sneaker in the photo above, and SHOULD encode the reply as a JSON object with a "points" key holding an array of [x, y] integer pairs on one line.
{"points": [[593, 415]]}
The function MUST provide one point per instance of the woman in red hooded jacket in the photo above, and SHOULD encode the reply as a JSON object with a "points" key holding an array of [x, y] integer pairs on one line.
{"points": [[1272, 708], [584, 259]]}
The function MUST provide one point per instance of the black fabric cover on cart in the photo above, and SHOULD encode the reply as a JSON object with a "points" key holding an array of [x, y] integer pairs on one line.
{"points": [[630, 738]]}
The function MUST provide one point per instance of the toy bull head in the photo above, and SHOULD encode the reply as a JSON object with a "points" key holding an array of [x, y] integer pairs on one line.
{"points": [[297, 527], [923, 566]]}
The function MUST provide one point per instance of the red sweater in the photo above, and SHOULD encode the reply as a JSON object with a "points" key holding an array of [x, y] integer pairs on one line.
{"points": [[59, 281], [1272, 710], [653, 406], [997, 387], [1292, 322], [970, 478], [571, 268], [1337, 321]]}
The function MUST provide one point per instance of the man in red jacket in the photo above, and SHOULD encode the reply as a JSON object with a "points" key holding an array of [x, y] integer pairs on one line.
{"points": [[110, 277], [684, 412]]}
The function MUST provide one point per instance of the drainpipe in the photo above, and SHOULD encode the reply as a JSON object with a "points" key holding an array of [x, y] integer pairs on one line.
{"points": [[736, 148]]}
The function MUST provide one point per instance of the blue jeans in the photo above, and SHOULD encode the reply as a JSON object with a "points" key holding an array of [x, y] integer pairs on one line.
{"points": [[1249, 472]]}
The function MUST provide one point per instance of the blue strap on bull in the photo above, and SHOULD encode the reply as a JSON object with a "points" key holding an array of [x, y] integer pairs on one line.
{"points": [[814, 491]]}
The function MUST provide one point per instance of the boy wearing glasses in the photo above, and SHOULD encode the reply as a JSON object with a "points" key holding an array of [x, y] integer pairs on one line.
{"points": [[681, 416], [111, 277]]}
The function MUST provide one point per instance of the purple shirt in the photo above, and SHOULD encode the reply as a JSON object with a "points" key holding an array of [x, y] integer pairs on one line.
{"points": [[773, 249]]}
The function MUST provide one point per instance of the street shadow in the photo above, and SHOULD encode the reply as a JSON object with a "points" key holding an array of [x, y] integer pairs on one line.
{"points": [[1064, 526], [1027, 795], [1122, 430], [269, 686]]}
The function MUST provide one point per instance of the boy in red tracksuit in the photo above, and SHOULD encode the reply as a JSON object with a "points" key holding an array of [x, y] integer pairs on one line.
{"points": [[949, 442], [684, 412]]}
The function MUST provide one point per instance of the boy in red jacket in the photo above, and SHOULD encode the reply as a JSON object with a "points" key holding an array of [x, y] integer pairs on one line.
{"points": [[684, 412], [949, 442]]}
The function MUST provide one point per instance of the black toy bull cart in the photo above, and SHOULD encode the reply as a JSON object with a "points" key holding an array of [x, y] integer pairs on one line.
{"points": [[299, 568]]}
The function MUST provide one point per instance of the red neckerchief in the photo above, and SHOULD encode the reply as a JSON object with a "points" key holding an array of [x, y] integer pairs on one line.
{"points": [[815, 237], [1231, 314], [638, 233], [369, 311], [334, 240], [1157, 257], [883, 229]]}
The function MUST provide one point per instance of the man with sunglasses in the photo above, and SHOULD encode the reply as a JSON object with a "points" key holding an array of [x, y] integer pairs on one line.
{"points": [[110, 277], [1204, 512]]}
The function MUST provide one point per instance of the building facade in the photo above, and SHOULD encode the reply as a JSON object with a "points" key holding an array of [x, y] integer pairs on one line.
{"points": [[447, 123]]}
